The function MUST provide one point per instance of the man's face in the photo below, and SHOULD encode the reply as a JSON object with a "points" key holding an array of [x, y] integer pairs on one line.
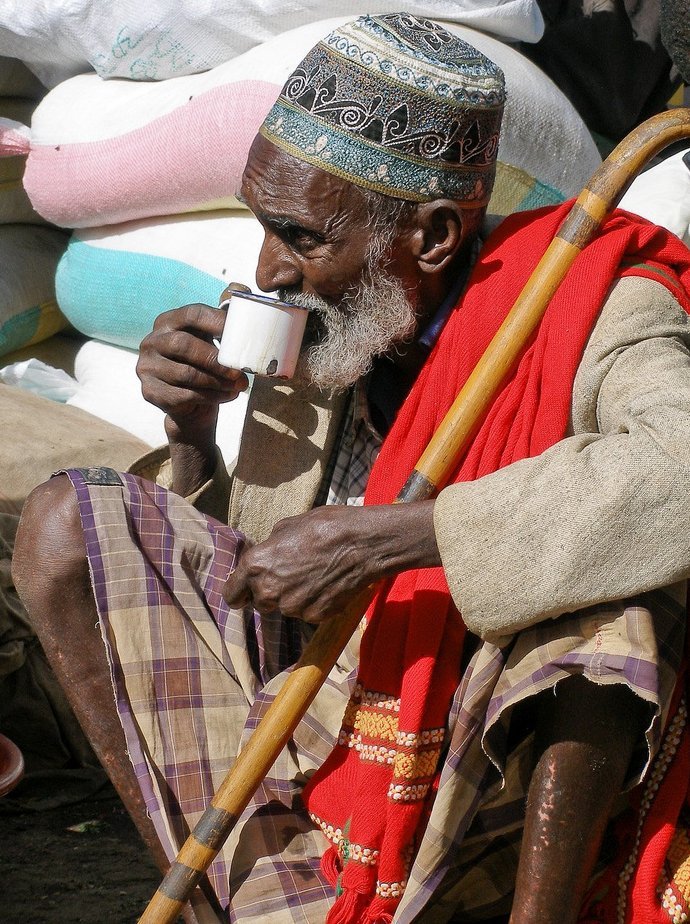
{"points": [[315, 224], [322, 250]]}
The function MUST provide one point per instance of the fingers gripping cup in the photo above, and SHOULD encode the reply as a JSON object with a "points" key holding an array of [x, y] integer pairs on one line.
{"points": [[262, 335]]}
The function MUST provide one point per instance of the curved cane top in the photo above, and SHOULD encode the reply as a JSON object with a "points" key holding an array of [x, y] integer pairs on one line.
{"points": [[611, 180]]}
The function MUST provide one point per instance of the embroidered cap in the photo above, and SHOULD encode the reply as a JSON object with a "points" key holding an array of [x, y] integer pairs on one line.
{"points": [[398, 104]]}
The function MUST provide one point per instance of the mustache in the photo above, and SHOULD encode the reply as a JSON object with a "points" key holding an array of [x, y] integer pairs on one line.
{"points": [[294, 296], [321, 313]]}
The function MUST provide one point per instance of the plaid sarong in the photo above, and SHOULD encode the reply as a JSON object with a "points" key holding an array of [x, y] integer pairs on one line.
{"points": [[193, 677]]}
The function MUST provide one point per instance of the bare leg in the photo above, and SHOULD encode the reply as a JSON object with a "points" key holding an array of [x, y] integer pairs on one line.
{"points": [[52, 578], [586, 735]]}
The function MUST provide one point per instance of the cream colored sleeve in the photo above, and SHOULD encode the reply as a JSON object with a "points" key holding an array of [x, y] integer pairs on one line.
{"points": [[605, 513]]}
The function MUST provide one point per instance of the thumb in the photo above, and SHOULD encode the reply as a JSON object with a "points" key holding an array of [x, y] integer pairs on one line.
{"points": [[236, 591]]}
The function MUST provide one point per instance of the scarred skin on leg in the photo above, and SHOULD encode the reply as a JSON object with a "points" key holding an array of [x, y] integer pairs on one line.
{"points": [[584, 742]]}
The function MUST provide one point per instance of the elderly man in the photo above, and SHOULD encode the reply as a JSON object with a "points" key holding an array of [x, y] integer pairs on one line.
{"points": [[529, 637]]}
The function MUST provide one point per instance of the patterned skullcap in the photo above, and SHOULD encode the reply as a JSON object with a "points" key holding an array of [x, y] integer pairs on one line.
{"points": [[397, 104]]}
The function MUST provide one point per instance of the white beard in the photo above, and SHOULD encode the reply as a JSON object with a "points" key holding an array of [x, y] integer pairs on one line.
{"points": [[342, 341]]}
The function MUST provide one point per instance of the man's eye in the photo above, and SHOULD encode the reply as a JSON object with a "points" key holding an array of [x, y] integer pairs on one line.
{"points": [[303, 241], [300, 239]]}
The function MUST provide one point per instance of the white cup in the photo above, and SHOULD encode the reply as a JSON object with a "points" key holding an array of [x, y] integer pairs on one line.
{"points": [[261, 335]]}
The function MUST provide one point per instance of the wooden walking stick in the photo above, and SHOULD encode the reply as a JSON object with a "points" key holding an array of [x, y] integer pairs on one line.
{"points": [[434, 468]]}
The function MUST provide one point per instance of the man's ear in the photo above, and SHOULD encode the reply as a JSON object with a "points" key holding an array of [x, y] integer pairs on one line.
{"points": [[442, 230]]}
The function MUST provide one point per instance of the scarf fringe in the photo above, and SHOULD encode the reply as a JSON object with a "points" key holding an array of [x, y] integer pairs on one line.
{"points": [[351, 905], [355, 907], [330, 865], [349, 908], [380, 911], [355, 904]]}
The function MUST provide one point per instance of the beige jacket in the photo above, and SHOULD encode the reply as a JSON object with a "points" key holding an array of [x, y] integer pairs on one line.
{"points": [[602, 515]]}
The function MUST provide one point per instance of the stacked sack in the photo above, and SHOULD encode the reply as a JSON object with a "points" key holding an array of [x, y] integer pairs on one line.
{"points": [[146, 173], [158, 39], [29, 248]]}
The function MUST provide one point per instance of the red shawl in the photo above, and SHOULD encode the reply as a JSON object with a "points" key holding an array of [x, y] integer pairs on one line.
{"points": [[372, 795]]}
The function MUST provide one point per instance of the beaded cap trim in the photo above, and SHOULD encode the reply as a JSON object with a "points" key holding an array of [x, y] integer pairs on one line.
{"points": [[397, 104]]}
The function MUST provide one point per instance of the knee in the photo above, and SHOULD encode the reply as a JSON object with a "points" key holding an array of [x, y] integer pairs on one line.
{"points": [[49, 541]]}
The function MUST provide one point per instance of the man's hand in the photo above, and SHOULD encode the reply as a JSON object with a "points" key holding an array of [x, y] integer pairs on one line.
{"points": [[179, 369], [180, 373], [311, 564]]}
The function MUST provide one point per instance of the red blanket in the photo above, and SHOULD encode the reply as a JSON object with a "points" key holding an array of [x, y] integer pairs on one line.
{"points": [[372, 795]]}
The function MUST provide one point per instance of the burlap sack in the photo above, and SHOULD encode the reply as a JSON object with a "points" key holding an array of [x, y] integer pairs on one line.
{"points": [[41, 436]]}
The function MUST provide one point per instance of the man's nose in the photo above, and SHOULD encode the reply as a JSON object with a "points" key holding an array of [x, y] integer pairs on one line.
{"points": [[278, 267]]}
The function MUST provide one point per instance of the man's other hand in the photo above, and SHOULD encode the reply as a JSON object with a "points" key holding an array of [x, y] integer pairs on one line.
{"points": [[311, 564], [179, 369]]}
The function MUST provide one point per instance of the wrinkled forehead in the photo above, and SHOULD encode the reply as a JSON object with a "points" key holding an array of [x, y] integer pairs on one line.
{"points": [[275, 184]]}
